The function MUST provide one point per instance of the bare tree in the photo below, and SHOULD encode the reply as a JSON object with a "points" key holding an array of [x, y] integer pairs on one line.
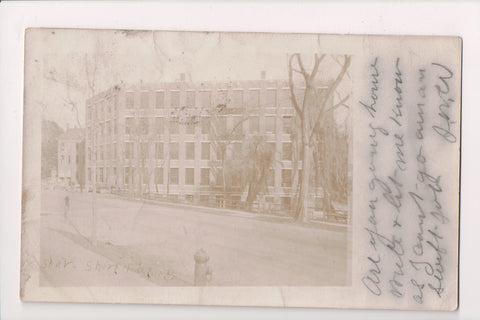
{"points": [[83, 85], [221, 138], [256, 166], [311, 114]]}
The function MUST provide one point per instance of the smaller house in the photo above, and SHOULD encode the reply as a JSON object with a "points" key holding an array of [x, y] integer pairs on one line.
{"points": [[71, 158]]}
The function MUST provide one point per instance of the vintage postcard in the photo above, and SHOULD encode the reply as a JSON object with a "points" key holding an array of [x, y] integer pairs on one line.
{"points": [[241, 169]]}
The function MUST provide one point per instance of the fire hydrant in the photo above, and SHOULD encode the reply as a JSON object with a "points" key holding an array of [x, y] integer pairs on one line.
{"points": [[203, 272]]}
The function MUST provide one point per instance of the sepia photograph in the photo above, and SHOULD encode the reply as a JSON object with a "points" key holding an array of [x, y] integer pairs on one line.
{"points": [[241, 169], [191, 159]]}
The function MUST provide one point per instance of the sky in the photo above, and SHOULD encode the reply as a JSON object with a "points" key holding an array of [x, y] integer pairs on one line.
{"points": [[64, 67]]}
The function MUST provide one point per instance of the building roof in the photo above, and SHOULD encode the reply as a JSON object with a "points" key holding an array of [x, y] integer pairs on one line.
{"points": [[77, 134]]}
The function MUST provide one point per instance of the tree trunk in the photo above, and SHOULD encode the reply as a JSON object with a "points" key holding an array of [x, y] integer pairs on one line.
{"points": [[250, 197], [302, 213]]}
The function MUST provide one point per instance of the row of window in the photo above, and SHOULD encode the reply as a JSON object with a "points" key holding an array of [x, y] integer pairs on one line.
{"points": [[236, 98], [109, 151], [107, 128], [98, 110], [189, 176], [220, 125]]}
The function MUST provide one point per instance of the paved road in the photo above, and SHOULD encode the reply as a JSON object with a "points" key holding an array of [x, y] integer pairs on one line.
{"points": [[150, 244]]}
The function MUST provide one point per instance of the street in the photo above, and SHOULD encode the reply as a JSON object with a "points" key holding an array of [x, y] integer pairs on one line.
{"points": [[144, 243]]}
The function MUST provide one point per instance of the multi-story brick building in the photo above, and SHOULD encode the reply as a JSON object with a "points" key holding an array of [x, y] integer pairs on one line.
{"points": [[71, 157], [175, 139]]}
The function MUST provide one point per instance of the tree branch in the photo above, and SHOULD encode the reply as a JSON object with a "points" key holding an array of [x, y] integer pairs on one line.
{"points": [[342, 102], [315, 67], [292, 93], [331, 89], [302, 68]]}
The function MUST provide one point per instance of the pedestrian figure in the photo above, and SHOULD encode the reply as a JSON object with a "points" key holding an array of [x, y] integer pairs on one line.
{"points": [[67, 205]]}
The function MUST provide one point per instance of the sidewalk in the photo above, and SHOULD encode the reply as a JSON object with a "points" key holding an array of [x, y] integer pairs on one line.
{"points": [[68, 259], [236, 213]]}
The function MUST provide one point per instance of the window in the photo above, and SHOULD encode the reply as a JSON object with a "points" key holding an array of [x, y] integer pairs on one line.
{"points": [[174, 99], [272, 148], [190, 99], [204, 176], [237, 150], [287, 124], [300, 94], [254, 124], [109, 151], [271, 98], [145, 178], [205, 125], [286, 99], [111, 105], [159, 99], [144, 154], [115, 126], [174, 125], [221, 125], [219, 178], [270, 124], [143, 126], [206, 99], [189, 150], [220, 152], [159, 125], [127, 175], [101, 153], [101, 104], [100, 174], [173, 175], [271, 178], [205, 151], [253, 100], [189, 176], [129, 100], [115, 175], [237, 126], [236, 179], [237, 98], [114, 152], [144, 97], [190, 123], [159, 150], [89, 108], [220, 201], [89, 175], [222, 96], [174, 150], [286, 178], [158, 175], [108, 126], [287, 151], [129, 125], [128, 150]]}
